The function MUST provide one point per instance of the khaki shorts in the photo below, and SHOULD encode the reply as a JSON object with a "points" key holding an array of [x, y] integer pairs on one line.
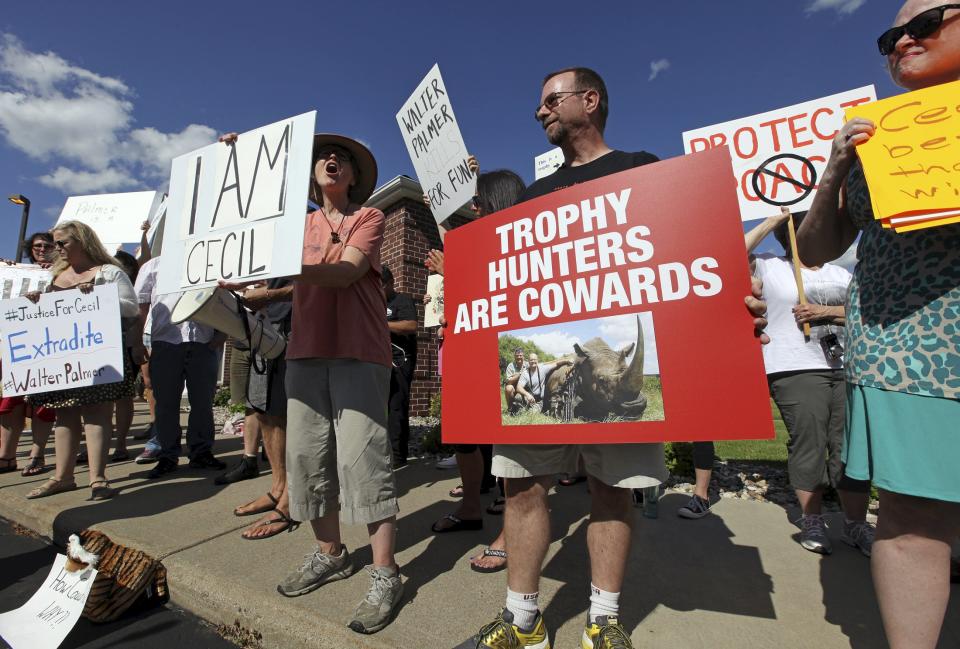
{"points": [[630, 466], [338, 452]]}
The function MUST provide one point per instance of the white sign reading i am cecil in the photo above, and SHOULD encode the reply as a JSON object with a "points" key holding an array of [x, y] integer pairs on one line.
{"points": [[778, 156], [116, 218], [49, 615], [68, 339], [436, 147], [236, 211]]}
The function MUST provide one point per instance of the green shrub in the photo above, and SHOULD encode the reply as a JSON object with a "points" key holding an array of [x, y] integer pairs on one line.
{"points": [[222, 397], [679, 457], [430, 442]]}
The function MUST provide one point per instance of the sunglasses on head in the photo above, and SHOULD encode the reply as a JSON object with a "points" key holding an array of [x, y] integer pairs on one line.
{"points": [[920, 26]]}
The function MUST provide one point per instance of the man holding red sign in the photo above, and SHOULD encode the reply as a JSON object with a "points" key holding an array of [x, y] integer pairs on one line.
{"points": [[573, 111]]}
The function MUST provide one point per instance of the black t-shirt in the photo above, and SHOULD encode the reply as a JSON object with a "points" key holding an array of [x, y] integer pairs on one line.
{"points": [[401, 307], [605, 165]]}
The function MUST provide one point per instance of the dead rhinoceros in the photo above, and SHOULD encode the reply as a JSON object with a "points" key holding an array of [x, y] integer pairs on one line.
{"points": [[599, 385]]}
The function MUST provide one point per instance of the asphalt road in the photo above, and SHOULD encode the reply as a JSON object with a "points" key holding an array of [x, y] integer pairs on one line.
{"points": [[25, 561]]}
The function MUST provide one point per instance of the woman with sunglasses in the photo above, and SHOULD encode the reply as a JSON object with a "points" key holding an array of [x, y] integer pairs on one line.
{"points": [[14, 410], [496, 190], [337, 382], [82, 263], [902, 350]]}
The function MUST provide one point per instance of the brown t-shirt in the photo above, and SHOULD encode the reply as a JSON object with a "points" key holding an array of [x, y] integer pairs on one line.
{"points": [[342, 322]]}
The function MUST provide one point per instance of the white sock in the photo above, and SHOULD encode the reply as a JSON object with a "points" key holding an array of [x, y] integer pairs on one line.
{"points": [[603, 603], [524, 607]]}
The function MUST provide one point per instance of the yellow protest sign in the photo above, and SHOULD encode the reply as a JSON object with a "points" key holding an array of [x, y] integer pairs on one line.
{"points": [[912, 162]]}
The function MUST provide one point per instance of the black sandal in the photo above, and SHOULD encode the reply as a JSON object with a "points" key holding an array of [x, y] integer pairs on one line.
{"points": [[459, 524], [490, 552], [37, 466], [497, 506], [288, 526], [263, 509]]}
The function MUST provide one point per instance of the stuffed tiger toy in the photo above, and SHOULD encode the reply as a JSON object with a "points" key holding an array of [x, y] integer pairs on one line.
{"points": [[125, 577]]}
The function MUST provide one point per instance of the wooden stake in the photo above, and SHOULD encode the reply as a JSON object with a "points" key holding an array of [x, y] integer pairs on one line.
{"points": [[796, 268]]}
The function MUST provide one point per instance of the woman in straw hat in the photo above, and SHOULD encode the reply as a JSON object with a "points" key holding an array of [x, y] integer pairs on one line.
{"points": [[338, 377]]}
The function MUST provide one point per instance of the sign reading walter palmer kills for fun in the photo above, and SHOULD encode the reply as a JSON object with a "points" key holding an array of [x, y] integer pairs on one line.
{"points": [[67, 340], [625, 295]]}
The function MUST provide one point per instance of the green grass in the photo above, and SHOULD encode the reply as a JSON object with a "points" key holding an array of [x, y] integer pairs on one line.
{"points": [[765, 450]]}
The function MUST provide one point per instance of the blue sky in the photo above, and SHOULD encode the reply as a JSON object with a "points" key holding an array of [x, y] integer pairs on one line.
{"points": [[98, 97]]}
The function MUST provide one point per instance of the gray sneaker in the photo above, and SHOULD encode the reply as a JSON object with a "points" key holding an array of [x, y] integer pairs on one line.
{"points": [[317, 570], [813, 534], [859, 534], [377, 608]]}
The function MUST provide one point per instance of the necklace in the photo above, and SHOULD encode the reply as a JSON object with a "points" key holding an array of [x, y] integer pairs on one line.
{"points": [[334, 236]]}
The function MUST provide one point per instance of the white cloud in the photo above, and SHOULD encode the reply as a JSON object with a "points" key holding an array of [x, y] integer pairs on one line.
{"points": [[621, 330], [557, 343], [656, 67], [71, 181], [842, 7], [81, 121]]}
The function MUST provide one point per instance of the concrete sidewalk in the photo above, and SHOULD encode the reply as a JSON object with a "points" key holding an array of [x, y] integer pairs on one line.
{"points": [[731, 580]]}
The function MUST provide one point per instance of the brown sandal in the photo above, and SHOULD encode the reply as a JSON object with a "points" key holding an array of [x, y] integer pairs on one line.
{"points": [[36, 467], [51, 487], [103, 492], [286, 524]]}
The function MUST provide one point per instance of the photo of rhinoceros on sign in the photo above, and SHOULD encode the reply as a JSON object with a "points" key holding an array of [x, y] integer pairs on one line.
{"points": [[599, 370]]}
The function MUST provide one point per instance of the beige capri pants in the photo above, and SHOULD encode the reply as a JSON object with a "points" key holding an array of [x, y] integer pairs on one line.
{"points": [[338, 451]]}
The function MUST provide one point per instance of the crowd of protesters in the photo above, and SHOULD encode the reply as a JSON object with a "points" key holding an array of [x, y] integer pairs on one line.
{"points": [[332, 412]]}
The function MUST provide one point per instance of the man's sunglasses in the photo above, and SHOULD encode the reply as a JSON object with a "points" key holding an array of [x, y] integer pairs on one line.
{"points": [[920, 26]]}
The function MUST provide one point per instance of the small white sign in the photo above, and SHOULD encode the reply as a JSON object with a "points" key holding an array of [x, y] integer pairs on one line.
{"points": [[67, 340], [785, 149], [436, 147], [546, 163], [434, 308], [21, 279], [51, 613], [116, 218], [237, 211]]}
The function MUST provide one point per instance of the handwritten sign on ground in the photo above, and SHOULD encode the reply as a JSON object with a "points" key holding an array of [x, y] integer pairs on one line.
{"points": [[594, 274], [237, 211], [67, 340], [116, 218], [436, 147], [50, 614], [434, 308], [911, 163], [805, 130], [20, 279], [546, 163]]}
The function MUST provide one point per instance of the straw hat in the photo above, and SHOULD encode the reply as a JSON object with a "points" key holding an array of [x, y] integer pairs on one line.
{"points": [[364, 164]]}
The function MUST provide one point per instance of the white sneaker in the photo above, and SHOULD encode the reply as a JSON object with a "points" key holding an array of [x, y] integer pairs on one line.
{"points": [[859, 534], [813, 534], [447, 462]]}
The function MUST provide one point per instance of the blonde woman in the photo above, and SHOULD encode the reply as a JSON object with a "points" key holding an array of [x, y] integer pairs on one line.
{"points": [[82, 263]]}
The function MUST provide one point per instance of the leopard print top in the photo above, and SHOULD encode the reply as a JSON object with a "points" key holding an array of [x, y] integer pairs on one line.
{"points": [[903, 306]]}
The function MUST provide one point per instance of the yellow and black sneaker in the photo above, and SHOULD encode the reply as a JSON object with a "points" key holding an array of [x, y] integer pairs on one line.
{"points": [[502, 633], [606, 633]]}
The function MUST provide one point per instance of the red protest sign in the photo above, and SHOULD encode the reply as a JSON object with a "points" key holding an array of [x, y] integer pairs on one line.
{"points": [[631, 289]]}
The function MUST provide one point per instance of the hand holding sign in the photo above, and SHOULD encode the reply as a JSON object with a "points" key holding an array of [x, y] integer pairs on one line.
{"points": [[910, 162]]}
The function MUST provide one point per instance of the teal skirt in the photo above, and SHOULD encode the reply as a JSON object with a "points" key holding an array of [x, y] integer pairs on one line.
{"points": [[905, 443]]}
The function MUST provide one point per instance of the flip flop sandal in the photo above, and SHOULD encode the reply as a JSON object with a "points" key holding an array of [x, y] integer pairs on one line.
{"points": [[456, 492], [496, 507], [9, 464], [490, 552], [263, 509], [51, 487], [459, 525], [287, 525], [102, 492], [36, 467], [571, 480]]}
